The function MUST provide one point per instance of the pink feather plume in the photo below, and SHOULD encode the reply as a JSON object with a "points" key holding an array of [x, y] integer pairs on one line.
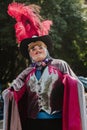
{"points": [[28, 23]]}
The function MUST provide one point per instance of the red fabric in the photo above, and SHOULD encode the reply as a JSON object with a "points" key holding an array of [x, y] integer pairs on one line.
{"points": [[18, 94], [27, 22], [71, 108]]}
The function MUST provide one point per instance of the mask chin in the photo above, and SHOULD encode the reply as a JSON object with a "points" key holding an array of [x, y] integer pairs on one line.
{"points": [[39, 58]]}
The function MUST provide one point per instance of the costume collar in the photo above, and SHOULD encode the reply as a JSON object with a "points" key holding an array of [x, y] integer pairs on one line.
{"points": [[43, 63]]}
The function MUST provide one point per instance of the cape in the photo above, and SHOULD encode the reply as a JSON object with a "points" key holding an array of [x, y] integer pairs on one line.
{"points": [[74, 109], [74, 115]]}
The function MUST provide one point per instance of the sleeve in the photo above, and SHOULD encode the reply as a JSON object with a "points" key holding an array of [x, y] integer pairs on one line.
{"points": [[19, 81], [65, 68]]}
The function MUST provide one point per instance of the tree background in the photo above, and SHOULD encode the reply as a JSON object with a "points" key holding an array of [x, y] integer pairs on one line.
{"points": [[69, 34]]}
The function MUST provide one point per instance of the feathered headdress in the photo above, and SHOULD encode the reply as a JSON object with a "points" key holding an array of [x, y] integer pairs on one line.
{"points": [[28, 21]]}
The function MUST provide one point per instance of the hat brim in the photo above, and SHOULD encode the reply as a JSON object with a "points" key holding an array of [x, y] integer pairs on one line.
{"points": [[24, 44]]}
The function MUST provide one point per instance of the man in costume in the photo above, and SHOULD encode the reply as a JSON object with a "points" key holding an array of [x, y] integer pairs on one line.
{"points": [[47, 94]]}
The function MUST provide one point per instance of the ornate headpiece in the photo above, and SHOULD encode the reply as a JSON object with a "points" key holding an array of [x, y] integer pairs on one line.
{"points": [[29, 23]]}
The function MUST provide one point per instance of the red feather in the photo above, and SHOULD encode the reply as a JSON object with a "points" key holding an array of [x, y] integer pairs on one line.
{"points": [[28, 23]]}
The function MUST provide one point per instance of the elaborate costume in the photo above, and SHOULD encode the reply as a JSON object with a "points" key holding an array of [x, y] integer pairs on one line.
{"points": [[26, 102], [47, 89]]}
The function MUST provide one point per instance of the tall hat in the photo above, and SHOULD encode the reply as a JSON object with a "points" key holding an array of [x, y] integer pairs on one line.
{"points": [[29, 23]]}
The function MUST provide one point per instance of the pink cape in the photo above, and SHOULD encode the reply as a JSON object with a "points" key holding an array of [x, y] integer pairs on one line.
{"points": [[71, 108]]}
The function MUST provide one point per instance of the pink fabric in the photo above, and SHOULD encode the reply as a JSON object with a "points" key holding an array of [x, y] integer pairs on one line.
{"points": [[28, 23], [71, 108], [18, 94]]}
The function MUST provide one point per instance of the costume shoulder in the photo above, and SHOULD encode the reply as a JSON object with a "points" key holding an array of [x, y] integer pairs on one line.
{"points": [[58, 61], [20, 80], [63, 66]]}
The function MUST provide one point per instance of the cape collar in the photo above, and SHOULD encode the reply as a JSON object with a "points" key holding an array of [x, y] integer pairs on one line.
{"points": [[40, 65]]}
